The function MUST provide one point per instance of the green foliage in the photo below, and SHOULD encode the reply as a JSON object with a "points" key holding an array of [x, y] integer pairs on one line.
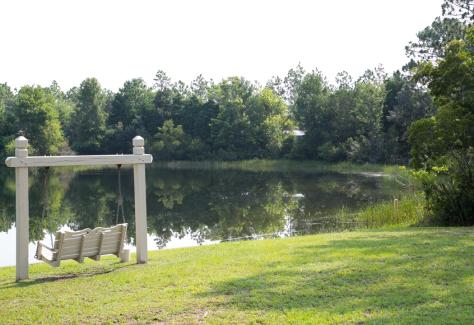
{"points": [[6, 102], [344, 123], [131, 113], [312, 113], [64, 106], [405, 102], [87, 127], [459, 9], [162, 81], [200, 115], [34, 114], [448, 138], [450, 190], [250, 122], [287, 88], [424, 147], [271, 123], [432, 40], [310, 108], [457, 16], [48, 211], [365, 142], [237, 119], [231, 131], [451, 83], [286, 166], [170, 142], [409, 210]]}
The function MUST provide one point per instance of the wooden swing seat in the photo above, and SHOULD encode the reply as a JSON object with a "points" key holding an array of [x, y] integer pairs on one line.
{"points": [[77, 245]]}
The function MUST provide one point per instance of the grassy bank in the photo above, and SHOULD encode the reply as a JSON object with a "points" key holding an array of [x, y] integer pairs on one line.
{"points": [[262, 165], [421, 275], [408, 210]]}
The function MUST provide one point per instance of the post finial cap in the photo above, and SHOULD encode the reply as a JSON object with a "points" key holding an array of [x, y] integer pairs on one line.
{"points": [[138, 141], [21, 142]]}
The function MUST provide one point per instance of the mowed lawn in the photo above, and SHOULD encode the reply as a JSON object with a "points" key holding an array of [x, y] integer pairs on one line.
{"points": [[415, 275]]}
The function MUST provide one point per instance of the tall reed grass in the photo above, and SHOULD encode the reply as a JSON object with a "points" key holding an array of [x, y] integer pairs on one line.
{"points": [[263, 165], [409, 210]]}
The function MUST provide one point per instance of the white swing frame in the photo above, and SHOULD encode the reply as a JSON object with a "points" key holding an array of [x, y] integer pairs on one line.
{"points": [[21, 162]]}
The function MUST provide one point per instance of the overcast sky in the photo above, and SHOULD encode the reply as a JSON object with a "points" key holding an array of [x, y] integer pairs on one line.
{"points": [[114, 41]]}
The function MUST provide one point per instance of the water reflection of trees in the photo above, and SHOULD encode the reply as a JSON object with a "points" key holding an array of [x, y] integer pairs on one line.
{"points": [[214, 205], [46, 198], [7, 199], [325, 196], [93, 195], [205, 205]]}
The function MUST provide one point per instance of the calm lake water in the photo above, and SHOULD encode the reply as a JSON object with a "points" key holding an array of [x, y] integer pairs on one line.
{"points": [[189, 207]]}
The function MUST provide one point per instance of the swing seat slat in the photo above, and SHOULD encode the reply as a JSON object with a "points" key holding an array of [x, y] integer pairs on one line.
{"points": [[85, 243]]}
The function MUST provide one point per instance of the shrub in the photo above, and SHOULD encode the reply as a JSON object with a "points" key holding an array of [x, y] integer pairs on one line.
{"points": [[450, 191]]}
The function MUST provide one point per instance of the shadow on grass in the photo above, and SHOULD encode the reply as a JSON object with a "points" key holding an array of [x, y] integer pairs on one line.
{"points": [[370, 278], [84, 273]]}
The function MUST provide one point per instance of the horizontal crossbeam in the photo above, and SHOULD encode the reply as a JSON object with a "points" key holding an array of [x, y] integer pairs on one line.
{"points": [[45, 161]]}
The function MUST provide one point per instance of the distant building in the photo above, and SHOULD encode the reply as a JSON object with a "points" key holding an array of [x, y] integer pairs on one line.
{"points": [[298, 133]]}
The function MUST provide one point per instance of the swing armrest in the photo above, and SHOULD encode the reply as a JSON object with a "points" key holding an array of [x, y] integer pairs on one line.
{"points": [[39, 250], [47, 247], [48, 257]]}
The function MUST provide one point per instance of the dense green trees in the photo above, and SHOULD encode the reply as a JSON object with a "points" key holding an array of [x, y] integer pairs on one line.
{"points": [[87, 129], [343, 122], [170, 142], [443, 145], [404, 103], [231, 129], [250, 122], [271, 122], [451, 82], [34, 114], [433, 39], [130, 113], [440, 129], [362, 121], [312, 113], [6, 101]]}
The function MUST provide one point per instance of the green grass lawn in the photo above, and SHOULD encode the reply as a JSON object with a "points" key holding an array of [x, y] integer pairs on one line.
{"points": [[416, 275], [282, 165]]}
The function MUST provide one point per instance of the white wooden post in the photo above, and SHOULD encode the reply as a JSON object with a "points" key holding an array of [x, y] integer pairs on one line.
{"points": [[21, 162], [22, 211], [140, 202]]}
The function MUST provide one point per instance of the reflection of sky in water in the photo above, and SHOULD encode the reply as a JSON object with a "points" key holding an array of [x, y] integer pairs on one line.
{"points": [[192, 207], [8, 240]]}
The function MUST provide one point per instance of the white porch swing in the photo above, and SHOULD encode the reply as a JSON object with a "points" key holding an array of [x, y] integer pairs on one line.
{"points": [[84, 243]]}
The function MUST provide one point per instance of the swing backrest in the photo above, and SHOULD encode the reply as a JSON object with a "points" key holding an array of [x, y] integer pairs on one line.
{"points": [[90, 243]]}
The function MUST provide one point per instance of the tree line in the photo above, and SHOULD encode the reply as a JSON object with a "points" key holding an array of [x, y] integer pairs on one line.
{"points": [[365, 120], [374, 118]]}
